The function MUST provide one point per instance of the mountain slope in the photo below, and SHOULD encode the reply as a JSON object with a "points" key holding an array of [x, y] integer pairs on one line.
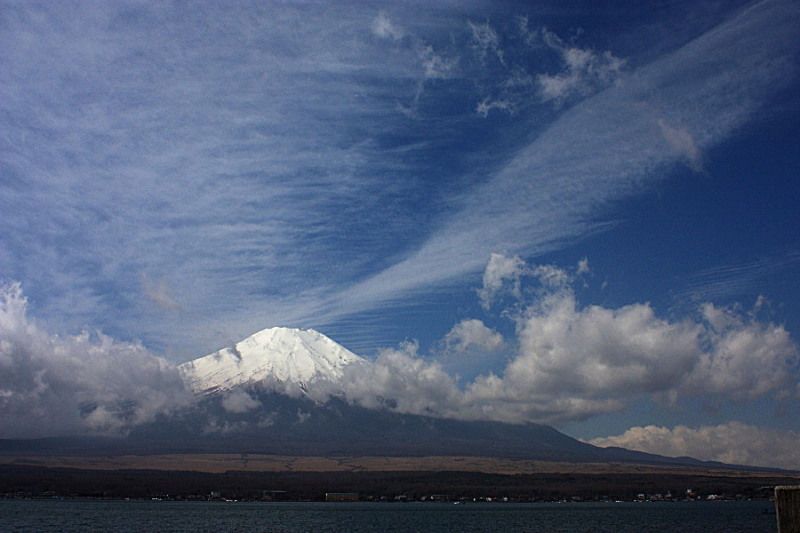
{"points": [[294, 427], [266, 373], [284, 356], [251, 398]]}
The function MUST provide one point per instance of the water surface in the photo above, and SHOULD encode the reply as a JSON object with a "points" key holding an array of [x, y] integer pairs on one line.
{"points": [[74, 516]]}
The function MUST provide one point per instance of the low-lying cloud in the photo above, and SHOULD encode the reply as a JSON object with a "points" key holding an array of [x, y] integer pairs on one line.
{"points": [[83, 384], [733, 443], [571, 362], [565, 361], [239, 401], [402, 381]]}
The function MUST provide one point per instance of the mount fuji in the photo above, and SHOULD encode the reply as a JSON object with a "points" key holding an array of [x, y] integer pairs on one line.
{"points": [[257, 397], [283, 357], [271, 372]]}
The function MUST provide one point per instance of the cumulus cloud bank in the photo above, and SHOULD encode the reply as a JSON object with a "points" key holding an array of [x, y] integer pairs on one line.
{"points": [[733, 443], [564, 362], [571, 362], [83, 384]]}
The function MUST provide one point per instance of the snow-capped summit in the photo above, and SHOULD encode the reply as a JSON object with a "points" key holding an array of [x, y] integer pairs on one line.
{"points": [[284, 356]]}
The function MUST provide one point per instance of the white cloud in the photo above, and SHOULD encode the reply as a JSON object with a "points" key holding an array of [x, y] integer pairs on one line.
{"points": [[160, 293], [502, 270], [485, 40], [683, 142], [215, 425], [486, 105], [235, 136], [732, 442], [472, 334], [568, 362], [51, 385], [259, 179], [552, 277], [602, 149], [436, 65], [382, 26], [573, 362], [402, 381], [302, 416], [239, 401], [721, 281], [584, 71], [745, 358], [583, 266]]}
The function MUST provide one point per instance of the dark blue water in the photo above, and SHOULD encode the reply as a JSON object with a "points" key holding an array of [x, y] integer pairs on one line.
{"points": [[72, 516]]}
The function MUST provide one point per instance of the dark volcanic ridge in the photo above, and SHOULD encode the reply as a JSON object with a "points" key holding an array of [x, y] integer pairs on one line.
{"points": [[288, 426]]}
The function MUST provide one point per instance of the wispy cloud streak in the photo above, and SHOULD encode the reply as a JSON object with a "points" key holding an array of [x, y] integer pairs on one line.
{"points": [[261, 161], [604, 149], [722, 282]]}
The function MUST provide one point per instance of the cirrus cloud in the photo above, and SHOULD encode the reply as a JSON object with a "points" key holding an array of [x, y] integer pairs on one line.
{"points": [[583, 71]]}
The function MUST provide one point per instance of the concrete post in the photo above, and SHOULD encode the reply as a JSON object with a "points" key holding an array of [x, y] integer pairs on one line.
{"points": [[787, 505]]}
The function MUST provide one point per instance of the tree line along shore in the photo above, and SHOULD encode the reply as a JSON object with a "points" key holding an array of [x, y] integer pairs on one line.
{"points": [[30, 481]]}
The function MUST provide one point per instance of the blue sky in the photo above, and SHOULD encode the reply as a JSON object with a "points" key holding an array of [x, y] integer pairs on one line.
{"points": [[182, 176]]}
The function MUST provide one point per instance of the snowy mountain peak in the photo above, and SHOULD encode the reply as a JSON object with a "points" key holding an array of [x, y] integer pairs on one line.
{"points": [[279, 355]]}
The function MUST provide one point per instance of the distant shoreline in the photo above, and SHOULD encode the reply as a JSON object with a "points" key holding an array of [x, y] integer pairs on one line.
{"points": [[246, 477], [245, 462]]}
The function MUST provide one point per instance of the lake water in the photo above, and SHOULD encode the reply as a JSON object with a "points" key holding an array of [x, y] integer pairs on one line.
{"points": [[74, 516]]}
